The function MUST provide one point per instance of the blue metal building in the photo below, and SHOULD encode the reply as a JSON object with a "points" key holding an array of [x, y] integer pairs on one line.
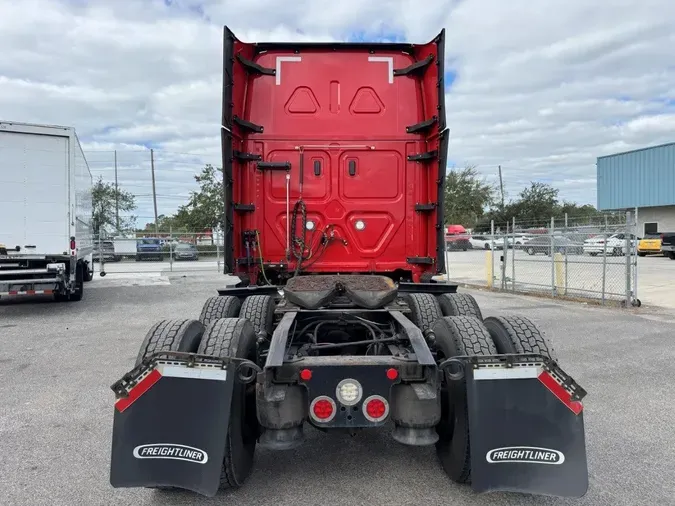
{"points": [[642, 179]]}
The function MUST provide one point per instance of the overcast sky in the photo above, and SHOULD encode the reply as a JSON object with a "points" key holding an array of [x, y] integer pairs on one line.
{"points": [[540, 87]]}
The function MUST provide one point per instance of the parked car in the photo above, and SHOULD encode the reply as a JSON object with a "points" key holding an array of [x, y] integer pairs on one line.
{"points": [[615, 244], [649, 244], [485, 242], [668, 244], [456, 237], [519, 240], [105, 250], [185, 251], [561, 244], [149, 248]]}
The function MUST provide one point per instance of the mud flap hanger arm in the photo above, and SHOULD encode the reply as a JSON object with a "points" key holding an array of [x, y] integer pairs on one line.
{"points": [[122, 386], [508, 360]]}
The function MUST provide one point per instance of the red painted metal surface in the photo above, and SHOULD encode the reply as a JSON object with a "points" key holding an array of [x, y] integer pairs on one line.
{"points": [[338, 114]]}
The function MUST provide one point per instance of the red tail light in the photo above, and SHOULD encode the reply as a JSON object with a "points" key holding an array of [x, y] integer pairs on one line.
{"points": [[375, 408], [322, 409], [72, 243], [392, 374], [306, 375]]}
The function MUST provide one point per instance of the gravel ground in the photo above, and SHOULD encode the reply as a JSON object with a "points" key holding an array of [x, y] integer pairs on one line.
{"points": [[57, 362]]}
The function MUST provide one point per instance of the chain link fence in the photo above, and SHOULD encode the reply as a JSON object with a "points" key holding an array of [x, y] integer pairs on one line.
{"points": [[588, 262], [159, 253]]}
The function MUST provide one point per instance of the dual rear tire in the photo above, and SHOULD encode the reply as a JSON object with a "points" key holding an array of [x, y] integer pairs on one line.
{"points": [[459, 329], [468, 335], [223, 337]]}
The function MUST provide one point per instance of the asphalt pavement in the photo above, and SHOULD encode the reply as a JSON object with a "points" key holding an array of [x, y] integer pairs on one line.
{"points": [[57, 362]]}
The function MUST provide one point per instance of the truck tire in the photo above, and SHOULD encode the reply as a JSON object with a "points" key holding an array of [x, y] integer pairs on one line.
{"points": [[424, 309], [259, 310], [517, 334], [219, 307], [459, 304], [171, 335], [455, 336], [235, 337]]}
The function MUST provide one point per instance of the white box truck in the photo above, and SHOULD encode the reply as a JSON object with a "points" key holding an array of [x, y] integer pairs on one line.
{"points": [[46, 234]]}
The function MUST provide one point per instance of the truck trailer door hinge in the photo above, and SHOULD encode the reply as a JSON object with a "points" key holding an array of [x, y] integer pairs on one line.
{"points": [[244, 208], [423, 157], [246, 157], [254, 68], [247, 125], [414, 68], [425, 207], [422, 126], [420, 260]]}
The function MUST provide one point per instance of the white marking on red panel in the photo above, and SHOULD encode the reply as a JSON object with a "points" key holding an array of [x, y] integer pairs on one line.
{"points": [[281, 59], [389, 60]]}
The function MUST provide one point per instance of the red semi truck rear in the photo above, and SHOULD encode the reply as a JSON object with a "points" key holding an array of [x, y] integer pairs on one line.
{"points": [[334, 158], [333, 163]]}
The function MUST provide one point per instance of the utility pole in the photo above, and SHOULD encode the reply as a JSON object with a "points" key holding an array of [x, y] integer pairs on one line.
{"points": [[117, 198], [154, 191], [501, 186]]}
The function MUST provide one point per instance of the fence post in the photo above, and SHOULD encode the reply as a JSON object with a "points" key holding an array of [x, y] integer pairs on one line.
{"points": [[101, 258], [635, 256], [447, 260], [492, 253], [513, 257], [552, 253], [566, 255], [604, 264], [504, 257], [218, 255], [628, 254], [171, 248]]}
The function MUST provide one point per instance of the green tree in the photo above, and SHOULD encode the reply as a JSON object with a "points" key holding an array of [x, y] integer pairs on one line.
{"points": [[205, 208], [106, 199], [467, 195], [536, 204]]}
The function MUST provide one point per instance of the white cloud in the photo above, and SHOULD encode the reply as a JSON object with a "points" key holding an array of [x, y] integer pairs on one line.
{"points": [[542, 88]]}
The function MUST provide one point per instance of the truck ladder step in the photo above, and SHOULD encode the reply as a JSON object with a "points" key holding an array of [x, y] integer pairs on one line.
{"points": [[246, 157], [419, 66], [274, 165], [423, 157], [420, 260], [247, 125], [425, 207], [254, 68], [422, 126]]}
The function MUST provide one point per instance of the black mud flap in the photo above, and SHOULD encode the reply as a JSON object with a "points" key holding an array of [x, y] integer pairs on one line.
{"points": [[169, 429], [526, 429]]}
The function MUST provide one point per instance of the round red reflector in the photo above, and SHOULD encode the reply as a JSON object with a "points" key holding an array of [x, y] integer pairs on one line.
{"points": [[305, 375], [376, 408], [392, 374], [323, 409]]}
